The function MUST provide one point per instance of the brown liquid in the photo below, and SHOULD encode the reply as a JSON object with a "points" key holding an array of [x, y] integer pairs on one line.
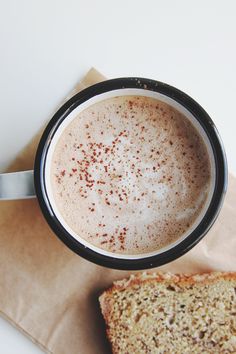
{"points": [[130, 174]]}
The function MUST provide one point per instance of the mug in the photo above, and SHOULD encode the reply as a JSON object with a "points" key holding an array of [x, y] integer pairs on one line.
{"points": [[29, 184]]}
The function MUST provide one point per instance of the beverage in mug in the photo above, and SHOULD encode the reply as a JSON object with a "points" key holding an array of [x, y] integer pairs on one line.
{"points": [[130, 173]]}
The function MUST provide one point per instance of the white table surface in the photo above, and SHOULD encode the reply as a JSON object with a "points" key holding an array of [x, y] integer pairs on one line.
{"points": [[47, 46]]}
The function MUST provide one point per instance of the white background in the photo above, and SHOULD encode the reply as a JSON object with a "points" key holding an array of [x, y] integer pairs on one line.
{"points": [[46, 46]]}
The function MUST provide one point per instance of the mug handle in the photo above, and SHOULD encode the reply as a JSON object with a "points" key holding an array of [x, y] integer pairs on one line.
{"points": [[17, 185]]}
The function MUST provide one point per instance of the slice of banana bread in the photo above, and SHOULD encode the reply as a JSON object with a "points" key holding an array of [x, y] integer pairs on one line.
{"points": [[170, 314]]}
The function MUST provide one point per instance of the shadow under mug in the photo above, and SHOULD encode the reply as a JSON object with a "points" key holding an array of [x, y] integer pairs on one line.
{"points": [[29, 184]]}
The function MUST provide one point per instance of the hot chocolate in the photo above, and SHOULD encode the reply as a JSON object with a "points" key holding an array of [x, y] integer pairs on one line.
{"points": [[130, 174]]}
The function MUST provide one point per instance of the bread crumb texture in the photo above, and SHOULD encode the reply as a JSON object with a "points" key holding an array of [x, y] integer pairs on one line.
{"points": [[172, 314]]}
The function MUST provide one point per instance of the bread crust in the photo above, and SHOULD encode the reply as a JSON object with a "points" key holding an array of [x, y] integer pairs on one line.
{"points": [[106, 300]]}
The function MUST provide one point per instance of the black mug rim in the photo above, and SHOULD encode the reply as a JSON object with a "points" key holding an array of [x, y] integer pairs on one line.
{"points": [[220, 181]]}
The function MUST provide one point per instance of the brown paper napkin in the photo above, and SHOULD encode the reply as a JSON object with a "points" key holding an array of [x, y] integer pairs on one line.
{"points": [[50, 293]]}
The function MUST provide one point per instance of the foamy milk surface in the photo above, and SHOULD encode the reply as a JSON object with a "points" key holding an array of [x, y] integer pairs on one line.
{"points": [[130, 174]]}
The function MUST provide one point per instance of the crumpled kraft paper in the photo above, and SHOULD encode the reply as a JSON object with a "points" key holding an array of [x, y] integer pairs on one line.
{"points": [[51, 294]]}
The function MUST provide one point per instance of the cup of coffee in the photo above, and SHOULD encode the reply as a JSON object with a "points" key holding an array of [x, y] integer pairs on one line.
{"points": [[130, 173]]}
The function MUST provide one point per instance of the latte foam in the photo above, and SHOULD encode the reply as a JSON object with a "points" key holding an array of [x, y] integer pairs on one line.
{"points": [[130, 174]]}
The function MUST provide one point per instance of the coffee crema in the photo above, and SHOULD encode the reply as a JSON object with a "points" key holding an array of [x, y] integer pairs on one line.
{"points": [[130, 174]]}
